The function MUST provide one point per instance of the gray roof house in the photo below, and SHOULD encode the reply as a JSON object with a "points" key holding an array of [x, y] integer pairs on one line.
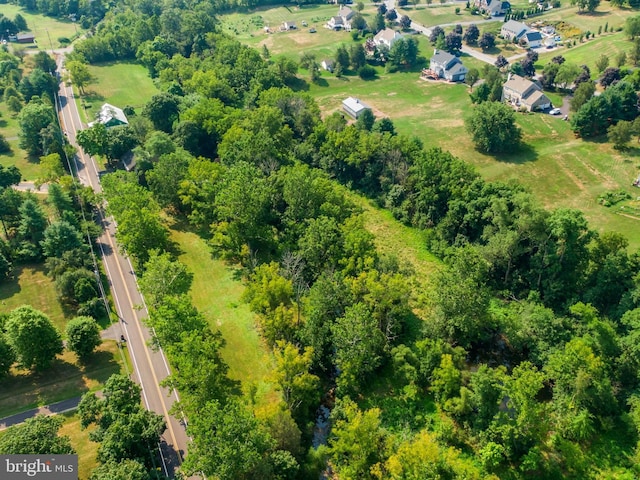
{"points": [[513, 30], [354, 107], [521, 92], [110, 116], [342, 20], [493, 7], [447, 66]]}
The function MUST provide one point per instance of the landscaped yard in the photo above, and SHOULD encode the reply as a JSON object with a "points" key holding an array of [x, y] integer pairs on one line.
{"points": [[43, 27], [119, 84]]}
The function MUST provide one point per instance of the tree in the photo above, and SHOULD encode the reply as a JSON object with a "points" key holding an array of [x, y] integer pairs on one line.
{"points": [[359, 6], [472, 77], [358, 346], [588, 5], [391, 15], [163, 111], [487, 41], [567, 74], [60, 237], [124, 470], [299, 387], [501, 62], [453, 42], [405, 22], [37, 436], [33, 337], [620, 134], [79, 74], [435, 33], [471, 34], [163, 277], [582, 95], [493, 128], [33, 121], [602, 63], [342, 57], [610, 77], [52, 168], [94, 140], [632, 27], [9, 176], [356, 440], [357, 57], [44, 62], [7, 357], [366, 120], [83, 336]]}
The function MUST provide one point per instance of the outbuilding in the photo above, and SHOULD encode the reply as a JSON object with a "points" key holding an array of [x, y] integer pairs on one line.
{"points": [[354, 107]]}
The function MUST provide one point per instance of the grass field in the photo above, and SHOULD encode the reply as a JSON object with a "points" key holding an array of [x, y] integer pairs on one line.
{"points": [[433, 15], [30, 286], [217, 293], [67, 378], [30, 168], [86, 449], [43, 27], [119, 84]]}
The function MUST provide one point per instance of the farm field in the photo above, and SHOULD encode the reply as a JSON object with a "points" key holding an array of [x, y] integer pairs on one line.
{"points": [[44, 27], [120, 84]]}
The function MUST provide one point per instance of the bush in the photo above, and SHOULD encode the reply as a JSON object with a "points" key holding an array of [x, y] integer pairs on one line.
{"points": [[367, 72], [611, 198], [4, 145]]}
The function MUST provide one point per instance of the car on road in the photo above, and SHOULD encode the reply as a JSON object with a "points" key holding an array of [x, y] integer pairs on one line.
{"points": [[555, 111]]}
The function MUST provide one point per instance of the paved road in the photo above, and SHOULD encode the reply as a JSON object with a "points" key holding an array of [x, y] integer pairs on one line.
{"points": [[150, 367], [54, 408], [31, 187]]}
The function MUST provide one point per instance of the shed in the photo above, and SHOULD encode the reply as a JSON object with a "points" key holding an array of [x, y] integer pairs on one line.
{"points": [[25, 38], [354, 107]]}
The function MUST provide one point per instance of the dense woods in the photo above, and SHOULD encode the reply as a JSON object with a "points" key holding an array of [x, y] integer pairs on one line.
{"points": [[518, 360]]}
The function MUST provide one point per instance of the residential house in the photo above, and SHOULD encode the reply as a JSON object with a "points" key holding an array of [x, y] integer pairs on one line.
{"points": [[513, 30], [328, 65], [386, 37], [354, 107], [494, 8], [532, 39], [25, 38], [521, 92], [110, 116], [342, 19], [447, 66]]}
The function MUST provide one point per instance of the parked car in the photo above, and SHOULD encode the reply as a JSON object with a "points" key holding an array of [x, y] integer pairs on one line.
{"points": [[555, 111], [312, 30]]}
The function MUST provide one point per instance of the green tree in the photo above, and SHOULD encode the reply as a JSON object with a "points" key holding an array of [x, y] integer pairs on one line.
{"points": [[37, 436], [94, 140], [359, 345], [356, 441], [83, 336], [163, 111], [124, 470], [79, 74], [592, 119], [52, 169], [7, 357], [357, 58], [33, 337], [473, 75], [33, 121], [342, 57], [493, 129], [567, 74], [620, 134], [60, 237], [582, 95], [602, 63], [163, 276], [299, 387], [172, 317], [632, 27], [165, 177]]}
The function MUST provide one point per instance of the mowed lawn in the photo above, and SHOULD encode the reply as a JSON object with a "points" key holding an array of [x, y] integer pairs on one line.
{"points": [[119, 84], [66, 378], [559, 169], [217, 293], [29, 167], [86, 449], [43, 27]]}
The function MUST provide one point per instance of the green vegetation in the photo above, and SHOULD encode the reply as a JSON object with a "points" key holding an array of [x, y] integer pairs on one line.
{"points": [[86, 449], [119, 84], [438, 14]]}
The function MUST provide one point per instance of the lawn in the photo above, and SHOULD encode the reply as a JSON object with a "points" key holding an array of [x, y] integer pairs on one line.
{"points": [[86, 449], [30, 168], [217, 292], [31, 286], [119, 84], [43, 27], [558, 168], [433, 15], [67, 378]]}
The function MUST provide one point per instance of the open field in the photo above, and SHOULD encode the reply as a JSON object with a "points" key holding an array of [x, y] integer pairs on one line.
{"points": [[434, 14], [43, 27], [30, 168], [30, 286], [119, 84], [86, 449], [67, 378], [217, 292], [558, 168]]}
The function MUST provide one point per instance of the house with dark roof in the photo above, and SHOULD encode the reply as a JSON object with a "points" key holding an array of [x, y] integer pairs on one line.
{"points": [[520, 92], [532, 39], [447, 66], [386, 37], [513, 30], [494, 8], [354, 107], [110, 116]]}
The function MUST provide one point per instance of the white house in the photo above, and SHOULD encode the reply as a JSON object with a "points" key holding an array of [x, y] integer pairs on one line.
{"points": [[521, 92], [354, 107], [493, 7], [447, 66], [386, 37], [532, 39], [110, 116], [513, 30], [328, 65], [342, 19]]}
